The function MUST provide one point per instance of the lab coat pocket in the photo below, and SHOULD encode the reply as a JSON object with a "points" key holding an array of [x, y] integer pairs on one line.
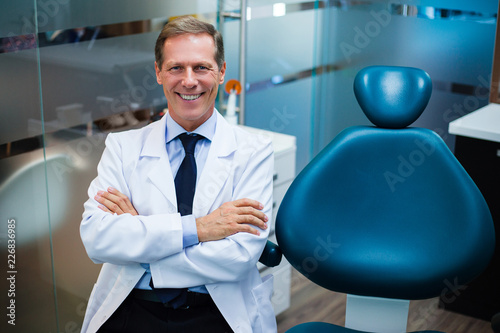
{"points": [[262, 297]]}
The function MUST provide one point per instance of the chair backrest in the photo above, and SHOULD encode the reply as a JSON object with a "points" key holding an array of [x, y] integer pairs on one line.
{"points": [[386, 211]]}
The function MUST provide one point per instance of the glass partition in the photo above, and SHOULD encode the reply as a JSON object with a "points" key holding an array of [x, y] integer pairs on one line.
{"points": [[26, 247], [71, 72], [328, 42], [283, 51], [453, 43]]}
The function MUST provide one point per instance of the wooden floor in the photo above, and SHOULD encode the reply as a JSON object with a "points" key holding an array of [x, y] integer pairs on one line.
{"points": [[310, 302]]}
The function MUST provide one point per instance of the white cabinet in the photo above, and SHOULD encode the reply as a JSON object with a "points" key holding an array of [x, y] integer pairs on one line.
{"points": [[284, 173]]}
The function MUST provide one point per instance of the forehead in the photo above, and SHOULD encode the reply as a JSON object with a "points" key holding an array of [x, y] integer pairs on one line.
{"points": [[189, 48]]}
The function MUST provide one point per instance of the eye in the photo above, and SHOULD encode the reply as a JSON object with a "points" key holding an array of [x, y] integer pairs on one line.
{"points": [[174, 69]]}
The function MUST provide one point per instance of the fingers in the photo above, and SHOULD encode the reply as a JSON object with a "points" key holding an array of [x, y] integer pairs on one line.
{"points": [[248, 202], [248, 229], [249, 211], [101, 207], [108, 202], [232, 217], [113, 201], [211, 229], [123, 201], [245, 211], [253, 217]]}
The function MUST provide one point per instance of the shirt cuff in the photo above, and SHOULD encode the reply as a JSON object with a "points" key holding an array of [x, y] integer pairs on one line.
{"points": [[189, 231]]}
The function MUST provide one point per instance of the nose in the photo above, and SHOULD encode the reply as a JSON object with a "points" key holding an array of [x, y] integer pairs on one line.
{"points": [[189, 80]]}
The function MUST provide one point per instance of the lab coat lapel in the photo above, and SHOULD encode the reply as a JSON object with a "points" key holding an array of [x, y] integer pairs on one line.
{"points": [[161, 172], [217, 168]]}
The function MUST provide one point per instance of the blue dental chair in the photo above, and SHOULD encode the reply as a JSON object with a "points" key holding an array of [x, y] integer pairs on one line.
{"points": [[385, 214]]}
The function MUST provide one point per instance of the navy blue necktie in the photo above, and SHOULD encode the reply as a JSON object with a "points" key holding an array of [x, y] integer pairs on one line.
{"points": [[185, 180], [185, 184]]}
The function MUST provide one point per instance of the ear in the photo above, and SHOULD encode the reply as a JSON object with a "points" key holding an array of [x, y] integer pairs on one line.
{"points": [[222, 73], [157, 71]]}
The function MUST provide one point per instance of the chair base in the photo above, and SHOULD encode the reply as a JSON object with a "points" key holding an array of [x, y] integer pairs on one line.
{"points": [[375, 314], [319, 327]]}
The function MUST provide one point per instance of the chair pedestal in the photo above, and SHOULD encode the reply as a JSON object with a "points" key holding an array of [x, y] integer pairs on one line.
{"points": [[374, 314]]}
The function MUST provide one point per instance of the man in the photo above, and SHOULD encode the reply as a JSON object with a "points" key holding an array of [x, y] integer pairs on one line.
{"points": [[205, 255]]}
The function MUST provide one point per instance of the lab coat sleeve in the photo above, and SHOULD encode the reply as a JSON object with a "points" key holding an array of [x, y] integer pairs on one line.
{"points": [[125, 239], [229, 259]]}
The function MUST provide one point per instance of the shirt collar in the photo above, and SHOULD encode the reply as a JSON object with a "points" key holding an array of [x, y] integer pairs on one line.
{"points": [[207, 129]]}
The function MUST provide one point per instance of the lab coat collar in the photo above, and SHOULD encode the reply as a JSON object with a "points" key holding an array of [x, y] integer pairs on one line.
{"points": [[214, 175], [154, 145], [161, 173], [217, 167]]}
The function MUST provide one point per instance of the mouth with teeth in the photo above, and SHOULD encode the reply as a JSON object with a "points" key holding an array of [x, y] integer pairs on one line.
{"points": [[189, 97]]}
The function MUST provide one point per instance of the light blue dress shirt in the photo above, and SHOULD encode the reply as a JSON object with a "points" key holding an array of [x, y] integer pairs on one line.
{"points": [[176, 154]]}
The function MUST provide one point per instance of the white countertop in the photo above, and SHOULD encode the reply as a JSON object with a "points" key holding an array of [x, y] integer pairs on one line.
{"points": [[483, 123], [281, 142]]}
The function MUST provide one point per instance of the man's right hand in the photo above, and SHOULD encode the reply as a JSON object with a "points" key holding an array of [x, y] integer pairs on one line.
{"points": [[230, 218], [115, 202]]}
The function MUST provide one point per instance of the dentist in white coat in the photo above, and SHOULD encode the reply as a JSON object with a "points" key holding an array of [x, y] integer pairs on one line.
{"points": [[131, 222]]}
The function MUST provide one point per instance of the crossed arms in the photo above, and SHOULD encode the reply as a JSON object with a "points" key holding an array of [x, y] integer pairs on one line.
{"points": [[146, 228], [230, 218]]}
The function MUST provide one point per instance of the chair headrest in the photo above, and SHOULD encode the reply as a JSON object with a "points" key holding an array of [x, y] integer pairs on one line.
{"points": [[392, 97]]}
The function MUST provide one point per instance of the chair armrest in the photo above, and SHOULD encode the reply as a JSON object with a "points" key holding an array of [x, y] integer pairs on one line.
{"points": [[271, 256]]}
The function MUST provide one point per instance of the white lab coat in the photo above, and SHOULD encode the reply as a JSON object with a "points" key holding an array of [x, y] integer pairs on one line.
{"points": [[239, 165]]}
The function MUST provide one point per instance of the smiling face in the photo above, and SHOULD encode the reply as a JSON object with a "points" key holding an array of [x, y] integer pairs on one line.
{"points": [[190, 78]]}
